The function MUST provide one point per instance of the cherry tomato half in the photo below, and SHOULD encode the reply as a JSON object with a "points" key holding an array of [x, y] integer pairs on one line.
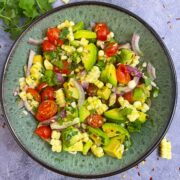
{"points": [[64, 70], [48, 46], [34, 93], [53, 34], [111, 49], [59, 42], [48, 93], [128, 96], [95, 120], [122, 74], [41, 86], [46, 110], [102, 31], [44, 132]]}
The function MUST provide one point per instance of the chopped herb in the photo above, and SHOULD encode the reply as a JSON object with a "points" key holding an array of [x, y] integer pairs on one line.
{"points": [[147, 81], [50, 78], [155, 92], [64, 33], [134, 126], [57, 63], [18, 14], [101, 65]]}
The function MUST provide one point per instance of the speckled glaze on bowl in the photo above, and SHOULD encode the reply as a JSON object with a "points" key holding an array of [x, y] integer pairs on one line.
{"points": [[123, 23]]}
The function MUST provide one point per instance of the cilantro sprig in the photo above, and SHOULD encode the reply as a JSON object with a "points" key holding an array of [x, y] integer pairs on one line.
{"points": [[18, 14]]}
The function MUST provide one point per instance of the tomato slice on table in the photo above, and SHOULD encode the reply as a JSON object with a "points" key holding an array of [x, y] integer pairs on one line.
{"points": [[46, 110], [44, 132], [34, 93], [102, 31], [122, 74], [111, 49], [48, 93], [48, 46], [41, 86], [128, 96], [64, 70], [53, 34]]}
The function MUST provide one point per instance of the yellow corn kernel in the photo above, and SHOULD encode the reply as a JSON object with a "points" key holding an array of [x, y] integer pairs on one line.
{"points": [[37, 58]]}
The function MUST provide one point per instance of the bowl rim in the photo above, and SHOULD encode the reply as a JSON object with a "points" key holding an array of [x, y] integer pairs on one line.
{"points": [[174, 78]]}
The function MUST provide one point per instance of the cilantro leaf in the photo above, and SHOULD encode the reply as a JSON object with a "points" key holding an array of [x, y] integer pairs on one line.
{"points": [[43, 5], [64, 33], [50, 78]]}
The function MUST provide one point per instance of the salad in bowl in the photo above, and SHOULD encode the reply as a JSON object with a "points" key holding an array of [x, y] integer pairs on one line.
{"points": [[87, 91]]}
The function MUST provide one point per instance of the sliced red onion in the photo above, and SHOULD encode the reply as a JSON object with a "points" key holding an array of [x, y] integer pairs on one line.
{"points": [[35, 41], [30, 61], [135, 44], [57, 126], [85, 84], [92, 25], [16, 92], [151, 71], [125, 89], [28, 108], [81, 93], [63, 113], [47, 122], [125, 46], [134, 71], [60, 77]]}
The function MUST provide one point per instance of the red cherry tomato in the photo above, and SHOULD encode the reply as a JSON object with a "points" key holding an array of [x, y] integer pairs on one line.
{"points": [[46, 110], [41, 86], [64, 70], [48, 93], [111, 49], [44, 132], [128, 96], [34, 93], [102, 31], [53, 34], [122, 74], [59, 42], [95, 120], [48, 46]]}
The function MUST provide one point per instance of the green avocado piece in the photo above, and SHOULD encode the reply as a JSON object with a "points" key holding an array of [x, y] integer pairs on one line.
{"points": [[78, 26], [83, 113], [70, 89], [126, 56], [112, 75], [114, 148], [87, 147], [70, 136], [142, 117], [75, 147], [112, 129], [139, 94], [84, 34], [100, 133], [117, 114], [104, 93], [109, 74], [89, 58]]}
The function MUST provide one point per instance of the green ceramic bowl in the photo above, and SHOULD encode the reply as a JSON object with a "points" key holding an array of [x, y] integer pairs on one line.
{"points": [[123, 23]]}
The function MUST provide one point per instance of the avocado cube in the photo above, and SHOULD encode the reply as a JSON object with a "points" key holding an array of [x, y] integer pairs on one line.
{"points": [[87, 147], [89, 57], [104, 93], [83, 113], [76, 147]]}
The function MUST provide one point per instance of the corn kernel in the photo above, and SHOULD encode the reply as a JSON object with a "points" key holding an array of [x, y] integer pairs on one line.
{"points": [[37, 58]]}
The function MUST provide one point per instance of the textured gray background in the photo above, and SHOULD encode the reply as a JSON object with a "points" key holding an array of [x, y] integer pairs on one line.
{"points": [[164, 17]]}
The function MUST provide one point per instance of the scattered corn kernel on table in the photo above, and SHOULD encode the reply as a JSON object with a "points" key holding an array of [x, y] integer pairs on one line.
{"points": [[164, 17]]}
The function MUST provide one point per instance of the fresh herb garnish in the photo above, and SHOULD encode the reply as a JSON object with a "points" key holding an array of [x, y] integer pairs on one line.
{"points": [[50, 78], [64, 33], [18, 14]]}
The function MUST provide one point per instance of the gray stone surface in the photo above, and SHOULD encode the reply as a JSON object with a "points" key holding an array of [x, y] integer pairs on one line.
{"points": [[163, 16]]}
